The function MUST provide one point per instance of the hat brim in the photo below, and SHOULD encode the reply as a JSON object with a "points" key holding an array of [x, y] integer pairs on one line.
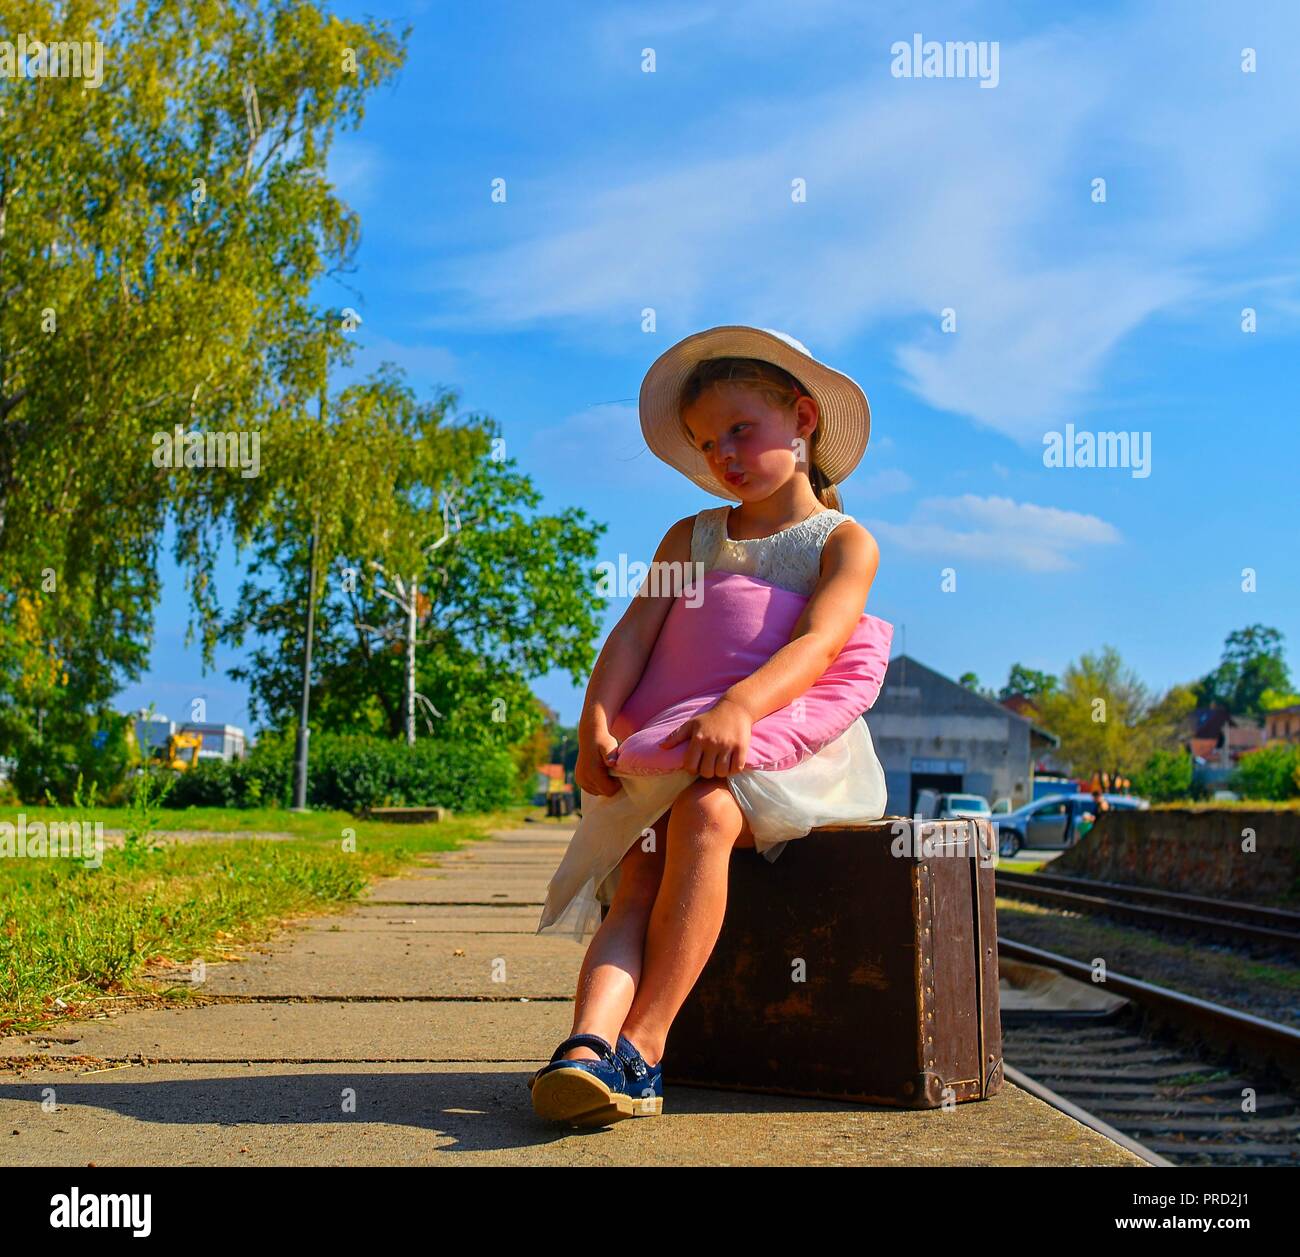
{"points": [[845, 422]]}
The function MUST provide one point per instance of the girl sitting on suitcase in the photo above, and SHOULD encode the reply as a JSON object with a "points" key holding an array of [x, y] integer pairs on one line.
{"points": [[750, 416]]}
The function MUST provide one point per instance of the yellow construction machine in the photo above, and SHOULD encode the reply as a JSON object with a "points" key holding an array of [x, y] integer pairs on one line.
{"points": [[182, 751]]}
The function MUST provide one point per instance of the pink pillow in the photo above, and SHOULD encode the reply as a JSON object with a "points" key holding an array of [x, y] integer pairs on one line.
{"points": [[739, 624]]}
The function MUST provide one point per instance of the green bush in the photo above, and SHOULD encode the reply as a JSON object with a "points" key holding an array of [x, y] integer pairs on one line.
{"points": [[1166, 775], [92, 749], [1272, 772], [356, 771], [45, 767], [256, 781]]}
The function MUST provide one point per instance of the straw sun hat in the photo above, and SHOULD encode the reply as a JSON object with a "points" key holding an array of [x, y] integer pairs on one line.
{"points": [[845, 422]]}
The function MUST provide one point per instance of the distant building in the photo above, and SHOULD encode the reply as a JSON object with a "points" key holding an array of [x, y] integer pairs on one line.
{"points": [[152, 732], [932, 733], [1216, 741], [225, 742], [1283, 725], [219, 741]]}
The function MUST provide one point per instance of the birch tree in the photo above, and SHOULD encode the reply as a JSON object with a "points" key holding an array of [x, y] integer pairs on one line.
{"points": [[160, 237], [414, 606]]}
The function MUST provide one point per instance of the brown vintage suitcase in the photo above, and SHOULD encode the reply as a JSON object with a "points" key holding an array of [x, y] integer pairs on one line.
{"points": [[859, 965]]}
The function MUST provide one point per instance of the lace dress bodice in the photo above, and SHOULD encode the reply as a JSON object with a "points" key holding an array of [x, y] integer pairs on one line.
{"points": [[790, 558]]}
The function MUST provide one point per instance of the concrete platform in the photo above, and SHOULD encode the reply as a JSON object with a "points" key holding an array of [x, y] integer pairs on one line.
{"points": [[448, 1114], [384, 1036]]}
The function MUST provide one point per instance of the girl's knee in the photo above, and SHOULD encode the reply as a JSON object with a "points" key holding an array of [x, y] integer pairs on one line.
{"points": [[707, 811], [709, 796]]}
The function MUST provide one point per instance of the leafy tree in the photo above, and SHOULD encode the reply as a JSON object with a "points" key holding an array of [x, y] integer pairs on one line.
{"points": [[971, 682], [56, 681], [542, 747], [563, 745], [1276, 700], [1166, 776], [160, 237], [508, 598], [1270, 772], [1107, 719], [1252, 665], [1024, 682]]}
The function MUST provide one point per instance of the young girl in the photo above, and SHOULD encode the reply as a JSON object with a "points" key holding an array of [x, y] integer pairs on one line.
{"points": [[749, 415]]}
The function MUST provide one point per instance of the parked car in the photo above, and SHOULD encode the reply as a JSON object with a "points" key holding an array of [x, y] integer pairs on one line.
{"points": [[952, 806], [1050, 822], [1001, 805]]}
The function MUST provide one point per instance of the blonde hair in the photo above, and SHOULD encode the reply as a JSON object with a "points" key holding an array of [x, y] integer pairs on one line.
{"points": [[778, 386]]}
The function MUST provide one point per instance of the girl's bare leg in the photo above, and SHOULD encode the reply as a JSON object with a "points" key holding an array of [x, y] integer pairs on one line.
{"points": [[614, 968], [611, 968], [704, 824]]}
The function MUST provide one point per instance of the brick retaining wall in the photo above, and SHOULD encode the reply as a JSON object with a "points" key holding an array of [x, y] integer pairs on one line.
{"points": [[1199, 852]]}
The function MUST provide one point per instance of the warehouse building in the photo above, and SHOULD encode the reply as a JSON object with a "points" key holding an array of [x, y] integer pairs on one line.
{"points": [[931, 733]]}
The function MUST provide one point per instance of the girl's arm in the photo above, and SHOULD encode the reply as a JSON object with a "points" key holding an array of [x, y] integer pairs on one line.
{"points": [[623, 656], [848, 567]]}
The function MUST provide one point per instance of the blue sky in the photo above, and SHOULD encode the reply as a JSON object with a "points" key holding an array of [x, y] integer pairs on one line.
{"points": [[672, 190]]}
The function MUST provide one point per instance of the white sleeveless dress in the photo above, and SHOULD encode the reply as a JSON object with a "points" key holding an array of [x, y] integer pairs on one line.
{"points": [[840, 784]]}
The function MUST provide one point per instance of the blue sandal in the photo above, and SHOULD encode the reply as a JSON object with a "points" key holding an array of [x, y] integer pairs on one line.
{"points": [[645, 1082], [583, 1092]]}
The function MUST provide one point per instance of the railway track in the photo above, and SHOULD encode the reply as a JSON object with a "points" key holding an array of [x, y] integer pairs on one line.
{"points": [[1184, 1081], [1163, 1098], [1240, 924]]}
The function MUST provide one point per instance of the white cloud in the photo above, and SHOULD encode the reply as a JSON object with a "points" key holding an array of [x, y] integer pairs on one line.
{"points": [[1036, 538], [927, 194]]}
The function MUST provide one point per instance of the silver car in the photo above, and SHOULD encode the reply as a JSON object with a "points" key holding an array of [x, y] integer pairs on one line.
{"points": [[1051, 821]]}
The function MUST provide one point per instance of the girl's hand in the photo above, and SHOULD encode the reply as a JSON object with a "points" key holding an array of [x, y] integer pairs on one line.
{"points": [[719, 739], [597, 753]]}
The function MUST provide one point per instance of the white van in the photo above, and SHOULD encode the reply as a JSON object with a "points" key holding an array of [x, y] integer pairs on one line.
{"points": [[934, 805]]}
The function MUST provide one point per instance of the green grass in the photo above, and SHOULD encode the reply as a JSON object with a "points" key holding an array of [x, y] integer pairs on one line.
{"points": [[82, 936], [1022, 864], [328, 826]]}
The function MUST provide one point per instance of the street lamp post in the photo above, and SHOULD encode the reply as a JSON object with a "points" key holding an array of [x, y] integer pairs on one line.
{"points": [[304, 731]]}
